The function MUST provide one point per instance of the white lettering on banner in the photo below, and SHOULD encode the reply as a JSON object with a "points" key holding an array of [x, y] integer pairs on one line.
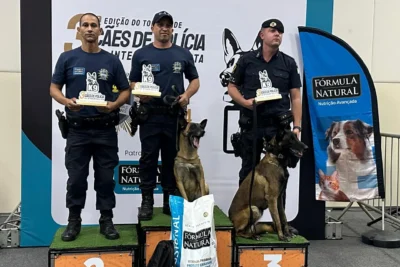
{"points": [[216, 44], [273, 259], [94, 262]]}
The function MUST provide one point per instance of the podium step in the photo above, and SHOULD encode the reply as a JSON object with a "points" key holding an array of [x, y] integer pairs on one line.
{"points": [[159, 228], [92, 249], [270, 250]]}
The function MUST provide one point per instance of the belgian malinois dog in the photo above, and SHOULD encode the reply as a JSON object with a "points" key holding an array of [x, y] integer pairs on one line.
{"points": [[270, 181], [188, 169]]}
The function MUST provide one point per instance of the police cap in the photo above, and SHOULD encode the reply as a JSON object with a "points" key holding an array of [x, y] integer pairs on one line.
{"points": [[274, 23], [162, 14]]}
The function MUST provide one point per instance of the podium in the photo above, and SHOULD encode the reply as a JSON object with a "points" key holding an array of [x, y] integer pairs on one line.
{"points": [[159, 228], [91, 248], [270, 251]]}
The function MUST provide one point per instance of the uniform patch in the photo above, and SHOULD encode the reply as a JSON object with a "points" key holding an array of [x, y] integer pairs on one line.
{"points": [[155, 67], [78, 71], [177, 67], [103, 74]]}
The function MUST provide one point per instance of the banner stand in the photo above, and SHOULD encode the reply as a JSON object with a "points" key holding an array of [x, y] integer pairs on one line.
{"points": [[346, 129]]}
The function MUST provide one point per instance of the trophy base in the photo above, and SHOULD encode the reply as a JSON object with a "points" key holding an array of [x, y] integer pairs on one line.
{"points": [[91, 103], [260, 99], [146, 93], [146, 89]]}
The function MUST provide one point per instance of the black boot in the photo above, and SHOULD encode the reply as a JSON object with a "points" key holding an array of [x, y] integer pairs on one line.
{"points": [[146, 208], [107, 227], [166, 208], [73, 228]]}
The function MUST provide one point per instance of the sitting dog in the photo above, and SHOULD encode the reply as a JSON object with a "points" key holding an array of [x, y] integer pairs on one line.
{"points": [[348, 136], [188, 169], [270, 182]]}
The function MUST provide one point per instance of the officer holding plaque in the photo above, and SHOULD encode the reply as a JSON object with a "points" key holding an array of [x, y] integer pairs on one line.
{"points": [[158, 70], [271, 79], [92, 112]]}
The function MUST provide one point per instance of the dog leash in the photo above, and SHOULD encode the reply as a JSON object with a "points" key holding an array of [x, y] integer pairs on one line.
{"points": [[172, 101], [254, 165]]}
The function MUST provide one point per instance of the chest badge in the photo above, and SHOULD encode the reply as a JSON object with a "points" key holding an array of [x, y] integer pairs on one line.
{"points": [[177, 67], [267, 92], [103, 74]]}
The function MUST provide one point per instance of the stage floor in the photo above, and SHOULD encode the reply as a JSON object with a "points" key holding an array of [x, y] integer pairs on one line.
{"points": [[349, 251]]}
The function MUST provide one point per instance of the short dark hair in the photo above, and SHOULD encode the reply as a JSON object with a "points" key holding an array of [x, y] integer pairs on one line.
{"points": [[94, 15]]}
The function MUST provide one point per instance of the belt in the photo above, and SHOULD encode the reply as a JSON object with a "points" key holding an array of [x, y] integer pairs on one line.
{"points": [[162, 110], [102, 121], [265, 122]]}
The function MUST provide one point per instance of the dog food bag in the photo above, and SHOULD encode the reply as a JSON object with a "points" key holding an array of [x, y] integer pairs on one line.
{"points": [[193, 232]]}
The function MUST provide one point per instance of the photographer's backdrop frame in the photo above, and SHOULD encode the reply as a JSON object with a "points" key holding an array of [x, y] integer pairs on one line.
{"points": [[49, 28]]}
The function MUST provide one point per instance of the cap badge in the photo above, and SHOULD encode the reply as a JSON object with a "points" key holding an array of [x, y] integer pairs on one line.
{"points": [[272, 24]]}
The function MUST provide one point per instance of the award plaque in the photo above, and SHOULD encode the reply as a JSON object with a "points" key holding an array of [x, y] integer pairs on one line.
{"points": [[147, 86], [92, 96], [267, 92]]}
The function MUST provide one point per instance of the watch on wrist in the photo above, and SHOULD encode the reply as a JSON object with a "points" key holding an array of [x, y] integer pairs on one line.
{"points": [[297, 127]]}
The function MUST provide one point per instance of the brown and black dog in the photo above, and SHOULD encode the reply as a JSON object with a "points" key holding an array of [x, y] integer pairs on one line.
{"points": [[270, 182], [188, 169]]}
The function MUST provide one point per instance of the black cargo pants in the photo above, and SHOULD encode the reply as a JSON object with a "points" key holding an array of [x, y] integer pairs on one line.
{"points": [[83, 144], [158, 133]]}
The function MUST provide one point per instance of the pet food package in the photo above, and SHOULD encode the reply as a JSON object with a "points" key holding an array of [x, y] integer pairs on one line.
{"points": [[193, 232]]}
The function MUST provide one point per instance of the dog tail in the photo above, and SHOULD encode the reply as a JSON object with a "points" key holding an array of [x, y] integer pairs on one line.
{"points": [[262, 228]]}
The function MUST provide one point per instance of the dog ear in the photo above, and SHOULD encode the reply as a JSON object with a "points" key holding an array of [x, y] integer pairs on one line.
{"points": [[328, 131], [230, 44], [203, 124], [182, 123], [257, 43], [364, 129]]}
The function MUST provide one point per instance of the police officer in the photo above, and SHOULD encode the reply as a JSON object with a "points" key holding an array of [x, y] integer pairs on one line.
{"points": [[91, 130], [283, 74], [159, 131]]}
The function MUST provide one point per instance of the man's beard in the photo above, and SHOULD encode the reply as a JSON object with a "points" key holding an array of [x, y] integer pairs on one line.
{"points": [[163, 39]]}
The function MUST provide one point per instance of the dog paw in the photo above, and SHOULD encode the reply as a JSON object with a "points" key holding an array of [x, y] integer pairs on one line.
{"points": [[289, 234], [284, 238]]}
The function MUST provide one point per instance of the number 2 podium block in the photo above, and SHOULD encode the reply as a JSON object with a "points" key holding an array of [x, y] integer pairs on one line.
{"points": [[271, 252], [159, 228], [91, 248]]}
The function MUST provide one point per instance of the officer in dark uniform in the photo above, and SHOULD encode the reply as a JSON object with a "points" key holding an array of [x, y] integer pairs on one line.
{"points": [[91, 130], [283, 74], [158, 127]]}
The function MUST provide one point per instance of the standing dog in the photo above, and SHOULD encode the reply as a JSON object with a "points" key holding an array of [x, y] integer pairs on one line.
{"points": [[270, 182], [188, 169]]}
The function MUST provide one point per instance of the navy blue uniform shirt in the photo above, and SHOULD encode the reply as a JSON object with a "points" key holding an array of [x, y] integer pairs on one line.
{"points": [[282, 72], [73, 68], [168, 67]]}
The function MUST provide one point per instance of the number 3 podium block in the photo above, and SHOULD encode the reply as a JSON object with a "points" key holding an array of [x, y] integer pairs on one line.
{"points": [[92, 249], [269, 251], [159, 228]]}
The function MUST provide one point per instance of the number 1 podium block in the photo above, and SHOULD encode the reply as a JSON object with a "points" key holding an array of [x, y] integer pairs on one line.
{"points": [[91, 248], [269, 251]]}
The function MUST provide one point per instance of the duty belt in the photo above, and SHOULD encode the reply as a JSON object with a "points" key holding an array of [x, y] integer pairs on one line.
{"points": [[162, 110], [102, 121]]}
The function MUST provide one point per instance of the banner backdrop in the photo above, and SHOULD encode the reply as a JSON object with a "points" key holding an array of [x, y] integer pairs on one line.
{"points": [[215, 49], [344, 118], [215, 36]]}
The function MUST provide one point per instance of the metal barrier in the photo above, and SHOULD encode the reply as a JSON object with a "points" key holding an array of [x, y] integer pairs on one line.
{"points": [[389, 207]]}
